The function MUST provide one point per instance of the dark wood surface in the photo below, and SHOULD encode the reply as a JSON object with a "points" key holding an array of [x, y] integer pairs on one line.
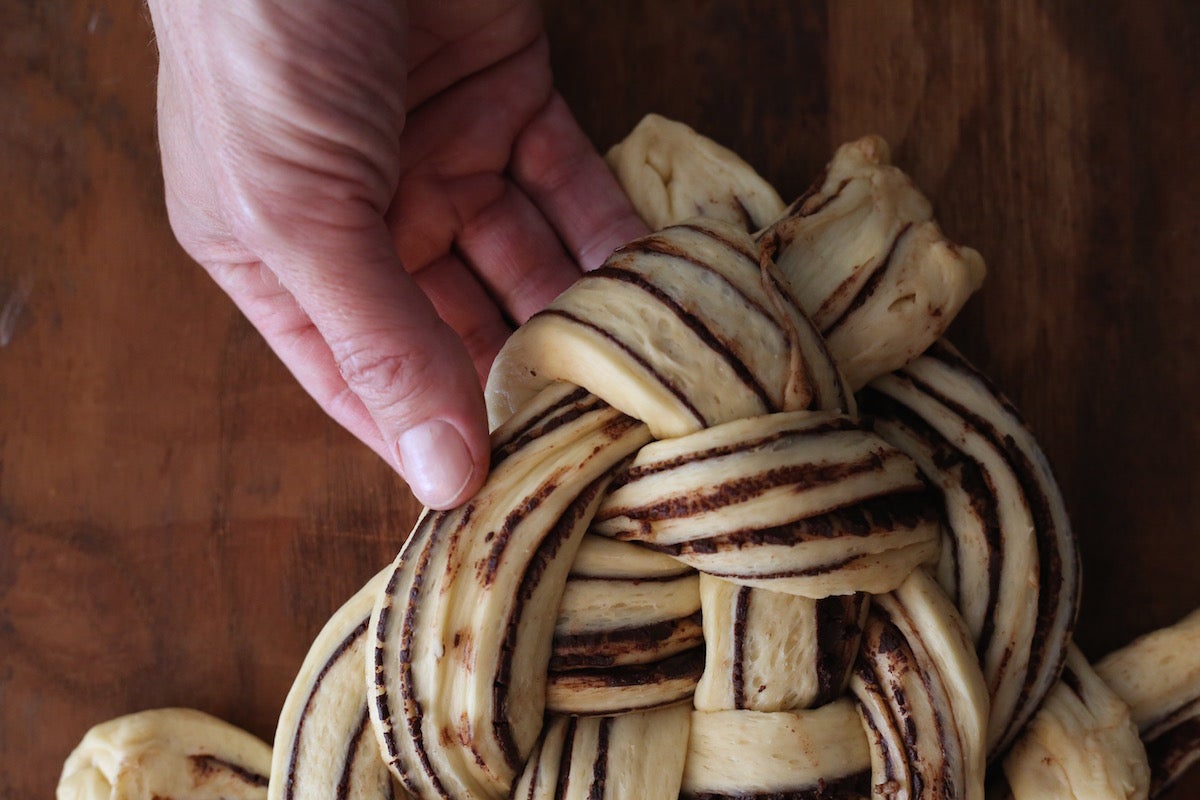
{"points": [[177, 519]]}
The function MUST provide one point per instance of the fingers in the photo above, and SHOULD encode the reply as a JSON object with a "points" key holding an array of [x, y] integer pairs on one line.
{"points": [[408, 367], [512, 232], [469, 128], [466, 307], [501, 235], [562, 173], [290, 333], [451, 41], [517, 254]]}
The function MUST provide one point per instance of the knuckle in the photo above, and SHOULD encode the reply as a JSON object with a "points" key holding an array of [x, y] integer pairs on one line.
{"points": [[382, 377]]}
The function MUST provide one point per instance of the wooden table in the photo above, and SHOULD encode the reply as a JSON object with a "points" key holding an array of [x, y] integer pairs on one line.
{"points": [[177, 519]]}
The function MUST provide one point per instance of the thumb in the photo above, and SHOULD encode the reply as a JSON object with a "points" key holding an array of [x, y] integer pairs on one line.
{"points": [[410, 370]]}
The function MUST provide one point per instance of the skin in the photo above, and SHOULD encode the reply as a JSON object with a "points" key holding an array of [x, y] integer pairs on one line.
{"points": [[384, 189]]}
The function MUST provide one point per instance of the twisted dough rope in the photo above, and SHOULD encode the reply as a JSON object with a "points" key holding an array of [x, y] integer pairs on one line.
{"points": [[569, 583], [761, 478], [167, 753]]}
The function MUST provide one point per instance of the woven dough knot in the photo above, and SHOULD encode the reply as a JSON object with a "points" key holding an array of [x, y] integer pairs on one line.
{"points": [[692, 545], [752, 530]]}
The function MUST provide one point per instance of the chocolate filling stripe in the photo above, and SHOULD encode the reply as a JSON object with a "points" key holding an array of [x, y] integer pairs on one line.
{"points": [[289, 790], [717, 236], [860, 517], [634, 356], [1050, 603], [204, 764], [662, 703], [741, 616], [945, 727], [658, 244], [382, 705], [684, 572], [882, 741], [722, 347], [941, 350], [747, 487], [572, 407], [736, 245], [600, 765], [1023, 467], [813, 189], [835, 425], [1171, 753], [948, 458], [838, 622], [546, 551], [501, 538], [414, 712], [1071, 681], [806, 572], [348, 760], [576, 395], [803, 572], [870, 284], [595, 650], [564, 760], [535, 766], [1169, 718], [798, 207], [687, 665], [565, 665], [894, 645]]}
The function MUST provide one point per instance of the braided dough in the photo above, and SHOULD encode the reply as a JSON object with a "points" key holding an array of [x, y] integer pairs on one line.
{"points": [[808, 530], [166, 753], [752, 530]]}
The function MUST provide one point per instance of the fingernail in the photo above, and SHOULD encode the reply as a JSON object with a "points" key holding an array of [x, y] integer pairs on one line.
{"points": [[436, 462]]}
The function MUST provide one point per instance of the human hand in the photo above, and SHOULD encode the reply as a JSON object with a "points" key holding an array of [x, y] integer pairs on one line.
{"points": [[383, 191]]}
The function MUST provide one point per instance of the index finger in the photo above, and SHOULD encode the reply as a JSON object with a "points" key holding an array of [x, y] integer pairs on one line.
{"points": [[556, 165]]}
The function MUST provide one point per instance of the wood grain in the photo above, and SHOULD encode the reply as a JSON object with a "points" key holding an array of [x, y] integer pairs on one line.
{"points": [[177, 519]]}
